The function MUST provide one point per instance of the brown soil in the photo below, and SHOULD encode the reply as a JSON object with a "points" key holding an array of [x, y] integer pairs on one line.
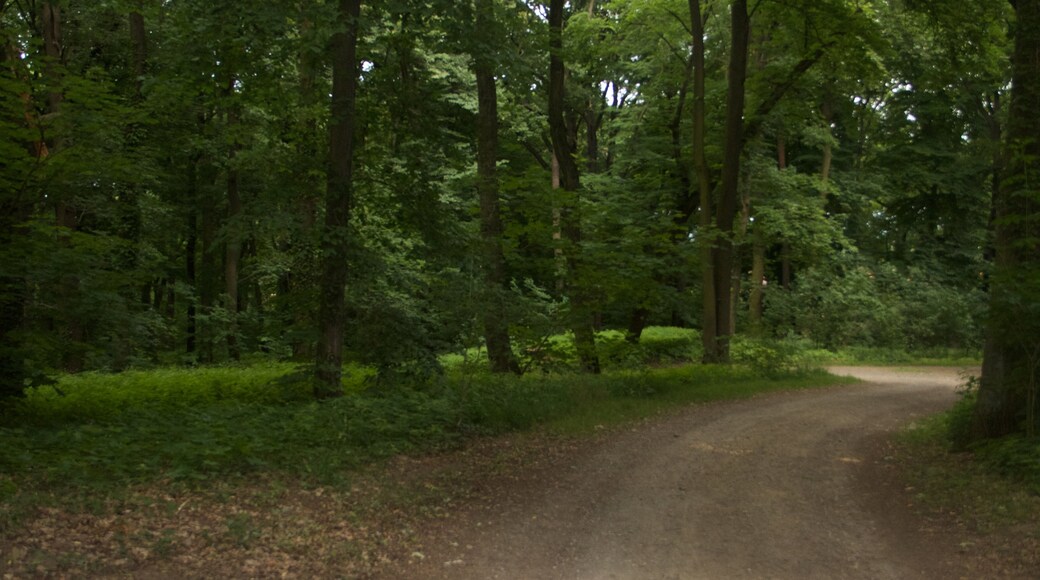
{"points": [[793, 485]]}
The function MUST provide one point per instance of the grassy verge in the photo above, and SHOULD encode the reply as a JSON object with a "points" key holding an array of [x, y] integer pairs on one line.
{"points": [[863, 355], [189, 428], [968, 484], [988, 499], [213, 472]]}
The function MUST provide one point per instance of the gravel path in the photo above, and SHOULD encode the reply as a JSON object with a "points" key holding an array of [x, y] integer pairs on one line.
{"points": [[790, 485]]}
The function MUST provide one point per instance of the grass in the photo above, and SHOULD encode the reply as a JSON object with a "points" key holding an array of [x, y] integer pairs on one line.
{"points": [[96, 435], [976, 485], [865, 355]]}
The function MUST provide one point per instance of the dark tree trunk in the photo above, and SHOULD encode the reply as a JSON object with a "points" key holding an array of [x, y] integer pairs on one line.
{"points": [[496, 326], [1007, 400], [190, 249], [733, 148], [14, 291], [636, 325], [208, 275], [704, 187], [233, 242], [339, 198], [565, 151]]}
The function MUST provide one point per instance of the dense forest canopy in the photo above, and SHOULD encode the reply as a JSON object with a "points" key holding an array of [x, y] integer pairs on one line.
{"points": [[190, 182]]}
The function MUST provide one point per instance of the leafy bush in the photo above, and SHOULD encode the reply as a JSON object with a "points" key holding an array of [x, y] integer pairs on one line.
{"points": [[851, 303], [772, 357], [670, 344]]}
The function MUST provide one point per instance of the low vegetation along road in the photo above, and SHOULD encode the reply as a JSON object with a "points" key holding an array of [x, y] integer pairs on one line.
{"points": [[792, 485]]}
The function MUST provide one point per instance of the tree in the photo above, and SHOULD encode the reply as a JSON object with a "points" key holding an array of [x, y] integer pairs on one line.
{"points": [[496, 327], [336, 239], [565, 153], [1007, 398]]}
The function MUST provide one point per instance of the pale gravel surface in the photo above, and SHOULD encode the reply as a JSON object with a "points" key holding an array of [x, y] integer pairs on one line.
{"points": [[791, 485]]}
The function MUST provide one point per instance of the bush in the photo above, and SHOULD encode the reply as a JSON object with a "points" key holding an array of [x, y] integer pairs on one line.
{"points": [[772, 357]]}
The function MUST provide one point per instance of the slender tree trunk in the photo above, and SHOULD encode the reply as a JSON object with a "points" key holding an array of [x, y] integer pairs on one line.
{"points": [[190, 249], [733, 148], [758, 274], [339, 198], [139, 47], [208, 275], [636, 324], [704, 187], [305, 203], [564, 149], [1007, 393], [233, 243], [559, 257], [496, 326]]}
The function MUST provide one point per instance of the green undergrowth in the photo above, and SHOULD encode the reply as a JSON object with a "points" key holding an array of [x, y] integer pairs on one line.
{"points": [[867, 355], [990, 485], [189, 428], [556, 353]]}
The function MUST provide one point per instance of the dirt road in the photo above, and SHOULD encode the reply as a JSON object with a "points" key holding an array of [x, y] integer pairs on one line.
{"points": [[791, 485]]}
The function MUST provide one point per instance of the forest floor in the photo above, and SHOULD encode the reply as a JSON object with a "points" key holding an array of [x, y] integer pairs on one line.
{"points": [[801, 484]]}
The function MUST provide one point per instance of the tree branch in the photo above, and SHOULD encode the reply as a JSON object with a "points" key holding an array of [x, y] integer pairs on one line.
{"points": [[754, 125]]}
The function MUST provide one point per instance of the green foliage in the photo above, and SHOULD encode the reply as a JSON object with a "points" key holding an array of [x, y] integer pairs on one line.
{"points": [[1015, 456], [773, 357], [658, 345], [108, 431], [851, 304]]}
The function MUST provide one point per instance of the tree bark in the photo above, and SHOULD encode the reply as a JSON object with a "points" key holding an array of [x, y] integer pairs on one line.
{"points": [[704, 187], [339, 198], [233, 241], [190, 249], [565, 151], [1007, 392], [733, 149], [496, 326]]}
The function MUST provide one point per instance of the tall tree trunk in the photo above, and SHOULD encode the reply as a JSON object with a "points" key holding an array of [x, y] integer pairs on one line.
{"points": [[233, 242], [559, 258], [208, 274], [1011, 357], [190, 249], [339, 198], [704, 187], [64, 211], [565, 151], [496, 326], [138, 47], [733, 148], [305, 203]]}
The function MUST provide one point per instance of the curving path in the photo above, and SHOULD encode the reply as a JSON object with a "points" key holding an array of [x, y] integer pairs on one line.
{"points": [[791, 485]]}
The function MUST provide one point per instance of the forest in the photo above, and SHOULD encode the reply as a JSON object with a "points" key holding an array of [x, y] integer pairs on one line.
{"points": [[528, 184], [252, 253]]}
